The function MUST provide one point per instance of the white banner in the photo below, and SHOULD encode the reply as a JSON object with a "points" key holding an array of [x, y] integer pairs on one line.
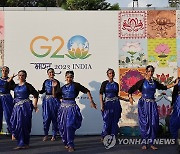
{"points": [[86, 42]]}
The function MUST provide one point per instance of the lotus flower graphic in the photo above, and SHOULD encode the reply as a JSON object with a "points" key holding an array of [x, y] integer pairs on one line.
{"points": [[162, 50], [78, 47], [164, 110]]}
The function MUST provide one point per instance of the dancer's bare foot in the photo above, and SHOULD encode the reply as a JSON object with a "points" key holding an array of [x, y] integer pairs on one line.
{"points": [[25, 147], [17, 148], [66, 147], [153, 147], [70, 149], [45, 138], [101, 140], [13, 138], [53, 138], [144, 147]]}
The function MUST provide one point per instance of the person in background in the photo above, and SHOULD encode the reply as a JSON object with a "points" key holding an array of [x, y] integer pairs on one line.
{"points": [[50, 105], [69, 115], [147, 106], [110, 105], [21, 118], [6, 100], [175, 116]]}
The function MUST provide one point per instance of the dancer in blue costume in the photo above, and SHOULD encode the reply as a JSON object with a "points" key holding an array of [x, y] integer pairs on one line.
{"points": [[69, 115], [50, 105], [110, 105], [22, 112], [147, 106], [6, 100], [175, 116]]}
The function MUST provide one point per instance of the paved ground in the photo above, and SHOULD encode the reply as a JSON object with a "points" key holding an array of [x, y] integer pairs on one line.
{"points": [[84, 145]]}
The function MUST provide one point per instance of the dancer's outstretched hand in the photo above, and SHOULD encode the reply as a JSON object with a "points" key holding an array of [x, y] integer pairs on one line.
{"points": [[93, 105], [176, 81], [131, 100], [36, 109], [10, 78], [102, 108]]}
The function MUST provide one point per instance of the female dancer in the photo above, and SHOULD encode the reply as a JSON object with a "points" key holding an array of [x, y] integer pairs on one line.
{"points": [[110, 105], [22, 111], [50, 105], [175, 116], [6, 100], [147, 107], [69, 115]]}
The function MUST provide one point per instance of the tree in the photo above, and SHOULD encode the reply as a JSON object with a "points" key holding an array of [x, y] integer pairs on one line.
{"points": [[114, 7], [87, 5], [2, 3], [31, 3], [174, 3], [65, 4], [60, 2]]}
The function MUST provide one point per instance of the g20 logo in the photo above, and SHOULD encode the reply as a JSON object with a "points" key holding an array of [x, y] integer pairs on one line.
{"points": [[78, 47]]}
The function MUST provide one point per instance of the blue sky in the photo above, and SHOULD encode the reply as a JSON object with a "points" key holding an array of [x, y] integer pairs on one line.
{"points": [[142, 3]]}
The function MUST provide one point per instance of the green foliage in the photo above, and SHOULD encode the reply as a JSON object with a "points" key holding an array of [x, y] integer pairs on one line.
{"points": [[2, 3], [65, 4], [61, 3], [28, 3], [114, 7], [87, 5], [174, 3]]}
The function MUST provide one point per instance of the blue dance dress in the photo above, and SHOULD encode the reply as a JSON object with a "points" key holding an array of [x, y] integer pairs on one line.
{"points": [[6, 103], [175, 117], [22, 112], [147, 108], [50, 106], [112, 108], [69, 115]]}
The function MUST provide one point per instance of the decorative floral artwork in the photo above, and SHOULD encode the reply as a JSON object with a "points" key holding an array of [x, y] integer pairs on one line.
{"points": [[132, 54], [149, 38], [178, 52], [1, 38], [128, 77], [164, 111], [164, 78], [1, 44], [177, 24], [132, 24], [162, 51], [161, 24], [164, 108]]}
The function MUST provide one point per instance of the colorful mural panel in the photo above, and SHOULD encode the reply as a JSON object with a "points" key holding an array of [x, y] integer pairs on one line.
{"points": [[128, 77], [162, 52], [132, 24], [161, 24], [145, 39], [132, 53]]}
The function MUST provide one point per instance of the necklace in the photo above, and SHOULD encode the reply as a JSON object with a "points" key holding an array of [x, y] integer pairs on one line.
{"points": [[21, 84], [4, 79], [151, 82]]}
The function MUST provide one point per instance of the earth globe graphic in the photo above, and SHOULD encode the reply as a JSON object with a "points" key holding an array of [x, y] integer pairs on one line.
{"points": [[78, 42]]}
